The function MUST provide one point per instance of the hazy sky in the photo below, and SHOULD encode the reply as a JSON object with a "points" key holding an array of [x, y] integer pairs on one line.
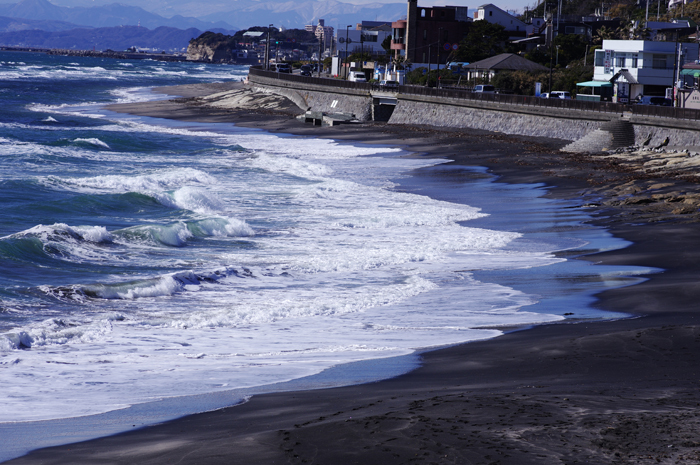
{"points": [[518, 5]]}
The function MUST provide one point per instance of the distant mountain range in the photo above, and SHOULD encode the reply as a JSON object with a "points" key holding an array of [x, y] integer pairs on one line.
{"points": [[230, 14], [115, 38], [101, 16], [102, 25]]}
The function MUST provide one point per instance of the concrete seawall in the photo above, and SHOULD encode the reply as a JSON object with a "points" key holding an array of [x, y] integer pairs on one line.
{"points": [[556, 123]]}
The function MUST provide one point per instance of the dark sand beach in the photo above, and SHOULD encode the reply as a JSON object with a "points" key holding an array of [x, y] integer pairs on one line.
{"points": [[609, 392]]}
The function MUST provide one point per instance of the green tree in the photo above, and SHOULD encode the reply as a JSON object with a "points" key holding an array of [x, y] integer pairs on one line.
{"points": [[483, 40], [571, 47]]}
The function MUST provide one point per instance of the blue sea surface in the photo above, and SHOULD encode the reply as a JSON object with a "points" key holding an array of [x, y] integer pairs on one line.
{"points": [[143, 259]]}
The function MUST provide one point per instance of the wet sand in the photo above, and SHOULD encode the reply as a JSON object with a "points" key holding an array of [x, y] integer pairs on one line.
{"points": [[613, 392]]}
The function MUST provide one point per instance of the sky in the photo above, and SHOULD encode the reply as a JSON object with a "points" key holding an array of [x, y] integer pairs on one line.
{"points": [[518, 5]]}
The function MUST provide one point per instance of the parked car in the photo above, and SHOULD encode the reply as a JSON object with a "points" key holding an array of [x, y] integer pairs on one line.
{"points": [[305, 70], [653, 100], [357, 76], [284, 68], [484, 89], [557, 94], [389, 85]]}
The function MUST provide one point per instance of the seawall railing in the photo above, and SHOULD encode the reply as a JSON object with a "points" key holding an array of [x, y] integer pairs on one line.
{"points": [[506, 99]]}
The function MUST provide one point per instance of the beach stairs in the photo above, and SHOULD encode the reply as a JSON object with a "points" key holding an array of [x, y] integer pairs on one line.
{"points": [[611, 135], [318, 118]]}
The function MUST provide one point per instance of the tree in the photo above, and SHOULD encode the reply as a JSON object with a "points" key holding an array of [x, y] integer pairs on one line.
{"points": [[604, 33], [386, 45], [571, 47], [483, 40]]}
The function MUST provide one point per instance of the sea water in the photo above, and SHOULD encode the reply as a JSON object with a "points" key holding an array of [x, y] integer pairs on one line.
{"points": [[144, 259]]}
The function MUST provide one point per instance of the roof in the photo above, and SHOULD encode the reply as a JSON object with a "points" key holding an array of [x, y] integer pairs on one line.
{"points": [[624, 76], [507, 61], [690, 72], [594, 84], [253, 34]]}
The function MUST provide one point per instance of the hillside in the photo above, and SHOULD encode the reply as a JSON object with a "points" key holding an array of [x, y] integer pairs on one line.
{"points": [[115, 38]]}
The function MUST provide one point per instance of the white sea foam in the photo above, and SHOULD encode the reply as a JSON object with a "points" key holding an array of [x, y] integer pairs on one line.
{"points": [[268, 264], [93, 141], [150, 183]]}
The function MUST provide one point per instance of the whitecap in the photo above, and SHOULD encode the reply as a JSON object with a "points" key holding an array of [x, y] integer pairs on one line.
{"points": [[92, 141]]}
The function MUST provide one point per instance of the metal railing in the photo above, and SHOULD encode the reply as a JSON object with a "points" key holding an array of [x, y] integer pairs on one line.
{"points": [[507, 99]]}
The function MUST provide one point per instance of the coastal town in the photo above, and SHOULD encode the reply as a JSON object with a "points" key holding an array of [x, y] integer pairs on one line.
{"points": [[637, 53]]}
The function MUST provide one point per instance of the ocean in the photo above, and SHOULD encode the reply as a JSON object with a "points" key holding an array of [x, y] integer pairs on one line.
{"points": [[145, 259]]}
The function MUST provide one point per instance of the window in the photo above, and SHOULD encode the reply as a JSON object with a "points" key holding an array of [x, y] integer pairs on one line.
{"points": [[425, 34], [490, 13], [635, 60], [599, 58], [422, 13], [658, 61], [619, 60]]}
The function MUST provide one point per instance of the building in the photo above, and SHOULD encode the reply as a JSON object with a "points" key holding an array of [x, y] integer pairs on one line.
{"points": [[428, 35], [641, 67], [495, 15], [367, 36], [489, 67], [322, 32]]}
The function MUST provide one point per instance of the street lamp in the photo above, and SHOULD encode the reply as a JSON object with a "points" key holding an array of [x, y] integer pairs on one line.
{"points": [[347, 29]]}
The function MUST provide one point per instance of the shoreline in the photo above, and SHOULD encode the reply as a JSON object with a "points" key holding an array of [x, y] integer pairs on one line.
{"points": [[567, 377]]}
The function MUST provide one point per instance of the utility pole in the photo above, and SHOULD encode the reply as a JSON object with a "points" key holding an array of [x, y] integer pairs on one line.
{"points": [[551, 41], [320, 50], [439, 47], [267, 48], [347, 71], [429, 63], [646, 20]]}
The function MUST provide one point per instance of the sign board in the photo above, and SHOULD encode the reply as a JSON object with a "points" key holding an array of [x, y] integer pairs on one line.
{"points": [[447, 46], [538, 89], [455, 46], [607, 62]]}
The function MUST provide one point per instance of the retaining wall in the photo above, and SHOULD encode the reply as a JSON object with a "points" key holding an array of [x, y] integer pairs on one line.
{"points": [[556, 123]]}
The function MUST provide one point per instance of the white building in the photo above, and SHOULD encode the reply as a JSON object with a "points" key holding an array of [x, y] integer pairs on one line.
{"points": [[641, 67], [354, 40], [493, 14]]}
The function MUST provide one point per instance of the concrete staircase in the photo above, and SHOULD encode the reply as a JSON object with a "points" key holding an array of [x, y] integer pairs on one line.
{"points": [[611, 135]]}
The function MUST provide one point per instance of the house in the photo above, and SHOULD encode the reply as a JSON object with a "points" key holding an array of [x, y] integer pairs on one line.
{"points": [[641, 67], [487, 68], [428, 35], [495, 15], [670, 32]]}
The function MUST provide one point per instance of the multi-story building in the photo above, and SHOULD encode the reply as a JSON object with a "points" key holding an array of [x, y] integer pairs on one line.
{"points": [[428, 35], [641, 67], [322, 32], [366, 37]]}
